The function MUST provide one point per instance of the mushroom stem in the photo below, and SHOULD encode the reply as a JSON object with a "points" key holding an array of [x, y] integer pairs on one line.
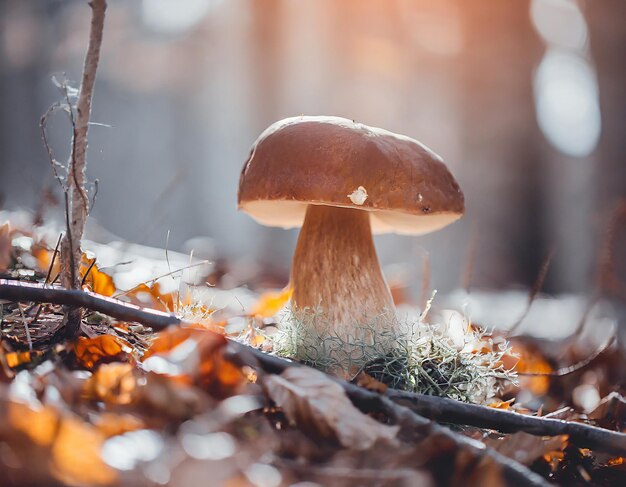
{"points": [[336, 274]]}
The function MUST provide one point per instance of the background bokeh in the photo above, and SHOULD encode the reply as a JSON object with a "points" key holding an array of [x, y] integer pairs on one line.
{"points": [[525, 100]]}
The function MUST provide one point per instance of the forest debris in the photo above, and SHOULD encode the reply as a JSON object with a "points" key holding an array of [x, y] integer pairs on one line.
{"points": [[95, 279], [319, 406], [526, 448], [112, 383], [611, 412], [270, 303], [76, 454], [91, 351]]}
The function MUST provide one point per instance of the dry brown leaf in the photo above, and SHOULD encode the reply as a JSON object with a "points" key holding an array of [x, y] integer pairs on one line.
{"points": [[195, 355], [92, 351], [43, 257], [611, 412], [368, 382], [76, 455], [112, 424], [150, 297], [526, 448], [39, 422], [270, 303], [319, 406], [17, 358], [531, 361], [97, 281], [501, 404], [112, 383]]}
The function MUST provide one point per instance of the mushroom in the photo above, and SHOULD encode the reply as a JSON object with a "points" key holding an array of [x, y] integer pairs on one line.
{"points": [[340, 181]]}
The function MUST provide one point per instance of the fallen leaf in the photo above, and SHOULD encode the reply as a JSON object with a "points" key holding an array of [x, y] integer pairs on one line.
{"points": [[112, 383], [501, 404], [150, 297], [270, 303], [15, 359], [112, 424], [97, 281], [368, 382], [102, 348], [531, 361], [39, 422], [611, 412], [526, 448], [320, 406], [76, 455], [43, 258], [195, 354]]}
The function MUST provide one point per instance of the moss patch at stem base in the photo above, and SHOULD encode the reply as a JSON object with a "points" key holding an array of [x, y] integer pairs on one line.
{"points": [[415, 356]]}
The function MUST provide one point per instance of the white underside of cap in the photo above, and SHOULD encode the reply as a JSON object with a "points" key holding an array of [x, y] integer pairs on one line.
{"points": [[290, 214]]}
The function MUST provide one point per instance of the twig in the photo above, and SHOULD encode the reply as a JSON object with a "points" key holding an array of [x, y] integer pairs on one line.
{"points": [[78, 206], [449, 411], [25, 323], [433, 407], [152, 281], [22, 291], [563, 371], [411, 422], [93, 263], [54, 256]]}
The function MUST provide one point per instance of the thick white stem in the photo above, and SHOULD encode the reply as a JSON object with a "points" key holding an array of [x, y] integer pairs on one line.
{"points": [[336, 276]]}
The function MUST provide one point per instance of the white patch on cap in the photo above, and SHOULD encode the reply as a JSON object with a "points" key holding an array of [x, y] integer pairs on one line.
{"points": [[358, 196]]}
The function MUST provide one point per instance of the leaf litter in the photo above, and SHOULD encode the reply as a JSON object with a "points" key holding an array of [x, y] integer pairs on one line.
{"points": [[123, 405]]}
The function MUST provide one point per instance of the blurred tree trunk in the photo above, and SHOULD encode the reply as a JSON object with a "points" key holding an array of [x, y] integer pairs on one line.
{"points": [[501, 159], [608, 47]]}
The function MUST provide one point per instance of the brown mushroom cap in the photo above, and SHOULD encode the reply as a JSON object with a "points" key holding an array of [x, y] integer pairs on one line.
{"points": [[334, 161]]}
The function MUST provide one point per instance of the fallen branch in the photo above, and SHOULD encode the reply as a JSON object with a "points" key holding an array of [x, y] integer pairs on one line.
{"points": [[433, 407], [22, 291]]}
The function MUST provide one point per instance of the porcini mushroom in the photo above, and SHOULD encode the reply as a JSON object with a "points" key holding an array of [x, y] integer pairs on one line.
{"points": [[340, 181]]}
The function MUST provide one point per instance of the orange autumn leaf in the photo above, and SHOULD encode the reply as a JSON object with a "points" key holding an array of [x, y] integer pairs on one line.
{"points": [[15, 359], [76, 456], [40, 423], [271, 303], [501, 404], [532, 362], [150, 297], [112, 383], [112, 424], [169, 339], [195, 355], [97, 281], [43, 257], [91, 351]]}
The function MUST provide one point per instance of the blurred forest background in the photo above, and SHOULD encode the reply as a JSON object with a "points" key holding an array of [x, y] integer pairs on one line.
{"points": [[524, 100]]}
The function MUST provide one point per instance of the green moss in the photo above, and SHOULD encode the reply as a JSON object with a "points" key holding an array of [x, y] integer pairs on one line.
{"points": [[418, 358]]}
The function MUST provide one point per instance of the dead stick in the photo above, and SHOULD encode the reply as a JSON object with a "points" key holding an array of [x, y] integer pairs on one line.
{"points": [[433, 407], [78, 201], [411, 423], [22, 291]]}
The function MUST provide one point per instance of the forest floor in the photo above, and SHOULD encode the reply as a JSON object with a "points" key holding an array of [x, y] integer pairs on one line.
{"points": [[133, 401]]}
